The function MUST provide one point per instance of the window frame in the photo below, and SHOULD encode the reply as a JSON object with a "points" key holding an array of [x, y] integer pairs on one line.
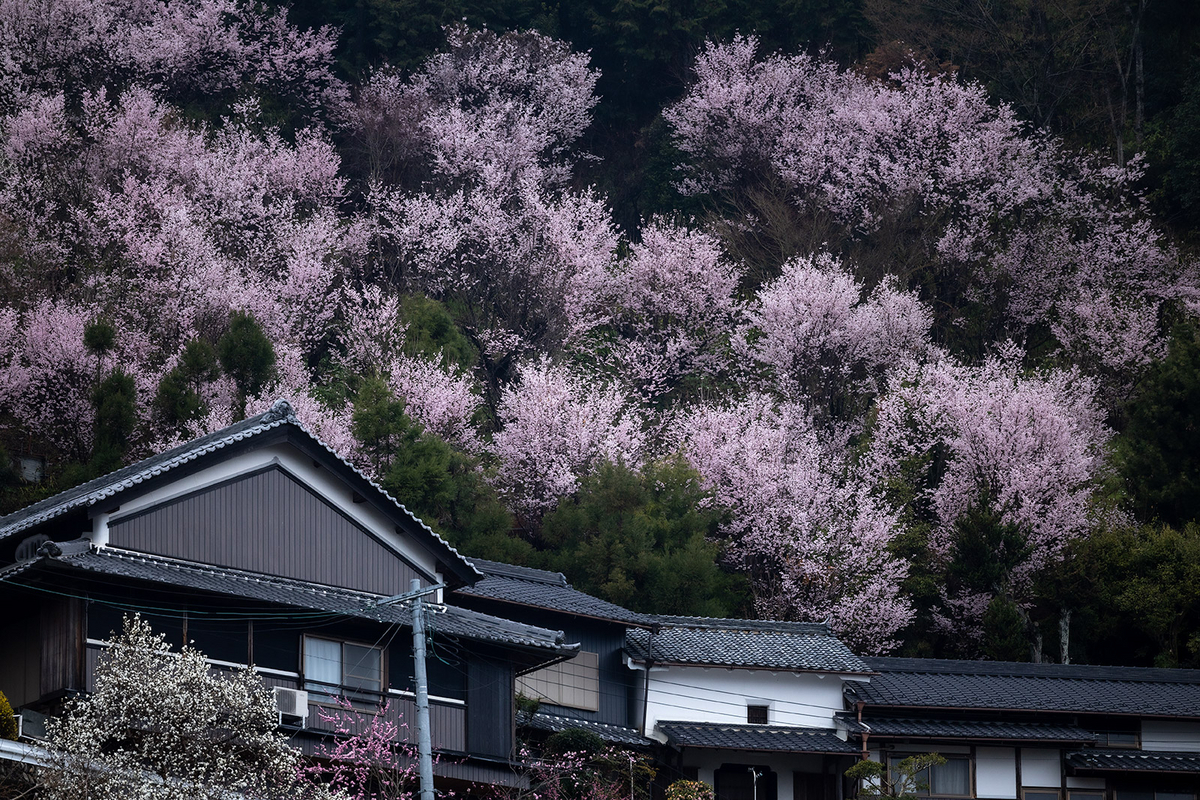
{"points": [[1054, 790], [328, 694], [928, 792], [766, 713]]}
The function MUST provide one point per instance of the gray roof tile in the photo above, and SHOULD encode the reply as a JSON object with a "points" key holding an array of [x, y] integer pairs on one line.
{"points": [[616, 734], [446, 619], [936, 683], [772, 738], [279, 415], [544, 589], [1134, 761], [752, 644], [909, 728]]}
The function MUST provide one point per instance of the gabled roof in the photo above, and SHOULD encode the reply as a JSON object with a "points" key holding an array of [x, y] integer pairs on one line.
{"points": [[618, 734], [1134, 761], [445, 619], [541, 588], [279, 420], [769, 738], [750, 644], [973, 730], [939, 683]]}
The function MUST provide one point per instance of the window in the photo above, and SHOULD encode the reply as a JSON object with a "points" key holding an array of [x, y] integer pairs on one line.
{"points": [[952, 779], [574, 683], [1086, 794], [756, 715], [1039, 794], [333, 668], [1129, 739]]}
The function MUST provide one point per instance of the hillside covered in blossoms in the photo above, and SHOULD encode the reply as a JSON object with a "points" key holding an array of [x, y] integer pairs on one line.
{"points": [[855, 332]]}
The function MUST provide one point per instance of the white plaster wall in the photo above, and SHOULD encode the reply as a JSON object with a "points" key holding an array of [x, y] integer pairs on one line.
{"points": [[996, 772], [1165, 735], [299, 466], [1041, 767], [696, 694]]}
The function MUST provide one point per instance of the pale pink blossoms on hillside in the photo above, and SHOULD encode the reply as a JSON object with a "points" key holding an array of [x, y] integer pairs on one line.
{"points": [[803, 522]]}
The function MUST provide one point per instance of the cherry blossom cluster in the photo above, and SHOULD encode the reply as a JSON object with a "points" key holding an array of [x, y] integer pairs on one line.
{"points": [[804, 524]]}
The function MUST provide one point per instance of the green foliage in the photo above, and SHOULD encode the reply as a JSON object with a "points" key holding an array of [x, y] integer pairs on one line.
{"points": [[8, 722], [442, 486], [99, 337], [178, 399], [1145, 594], [431, 332], [1159, 453], [642, 540], [689, 790], [247, 356], [986, 549], [574, 740], [116, 417], [1004, 631], [900, 783]]}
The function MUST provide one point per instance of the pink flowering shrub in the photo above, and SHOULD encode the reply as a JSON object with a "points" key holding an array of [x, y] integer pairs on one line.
{"points": [[371, 757], [819, 337], [1028, 449], [1048, 237], [662, 314], [803, 523], [555, 426]]}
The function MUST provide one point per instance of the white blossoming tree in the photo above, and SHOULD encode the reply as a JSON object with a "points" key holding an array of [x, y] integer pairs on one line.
{"points": [[161, 725]]}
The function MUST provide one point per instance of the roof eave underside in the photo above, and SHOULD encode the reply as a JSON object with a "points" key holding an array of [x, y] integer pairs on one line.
{"points": [[294, 594]]}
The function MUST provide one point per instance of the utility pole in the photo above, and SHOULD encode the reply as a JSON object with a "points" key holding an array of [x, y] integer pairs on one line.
{"points": [[424, 740]]}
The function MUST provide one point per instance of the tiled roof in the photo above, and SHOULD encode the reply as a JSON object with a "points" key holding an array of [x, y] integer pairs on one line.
{"points": [[610, 733], [754, 737], [965, 729], [543, 589], [278, 416], [449, 620], [1134, 761], [752, 644], [936, 683]]}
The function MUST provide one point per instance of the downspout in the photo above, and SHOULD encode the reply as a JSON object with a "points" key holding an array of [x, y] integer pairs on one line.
{"points": [[646, 685], [859, 706]]}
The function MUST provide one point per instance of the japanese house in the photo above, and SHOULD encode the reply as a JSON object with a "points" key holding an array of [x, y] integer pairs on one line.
{"points": [[261, 546]]}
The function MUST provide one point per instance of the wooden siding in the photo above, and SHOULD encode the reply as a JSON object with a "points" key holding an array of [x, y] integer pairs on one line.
{"points": [[618, 699], [447, 722], [267, 522], [63, 629], [490, 719]]}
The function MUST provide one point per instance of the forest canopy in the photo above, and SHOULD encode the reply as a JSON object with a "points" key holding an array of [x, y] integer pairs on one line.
{"points": [[817, 311]]}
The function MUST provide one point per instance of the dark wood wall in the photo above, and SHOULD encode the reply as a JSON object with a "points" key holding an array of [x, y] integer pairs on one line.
{"points": [[20, 649], [490, 713], [267, 522], [64, 627]]}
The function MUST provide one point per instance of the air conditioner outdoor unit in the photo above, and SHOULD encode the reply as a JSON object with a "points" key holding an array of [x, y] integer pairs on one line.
{"points": [[292, 704]]}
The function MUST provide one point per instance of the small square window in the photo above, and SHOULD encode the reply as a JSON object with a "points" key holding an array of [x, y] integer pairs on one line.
{"points": [[756, 715]]}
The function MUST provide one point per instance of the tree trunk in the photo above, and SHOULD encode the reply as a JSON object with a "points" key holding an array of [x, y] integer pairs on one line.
{"points": [[1064, 636]]}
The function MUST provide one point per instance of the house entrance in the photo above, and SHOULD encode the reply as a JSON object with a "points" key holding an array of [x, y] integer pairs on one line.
{"points": [[745, 782]]}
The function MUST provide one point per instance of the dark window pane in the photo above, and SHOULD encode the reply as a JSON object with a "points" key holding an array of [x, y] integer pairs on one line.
{"points": [[362, 668], [756, 715], [220, 640], [276, 646]]}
